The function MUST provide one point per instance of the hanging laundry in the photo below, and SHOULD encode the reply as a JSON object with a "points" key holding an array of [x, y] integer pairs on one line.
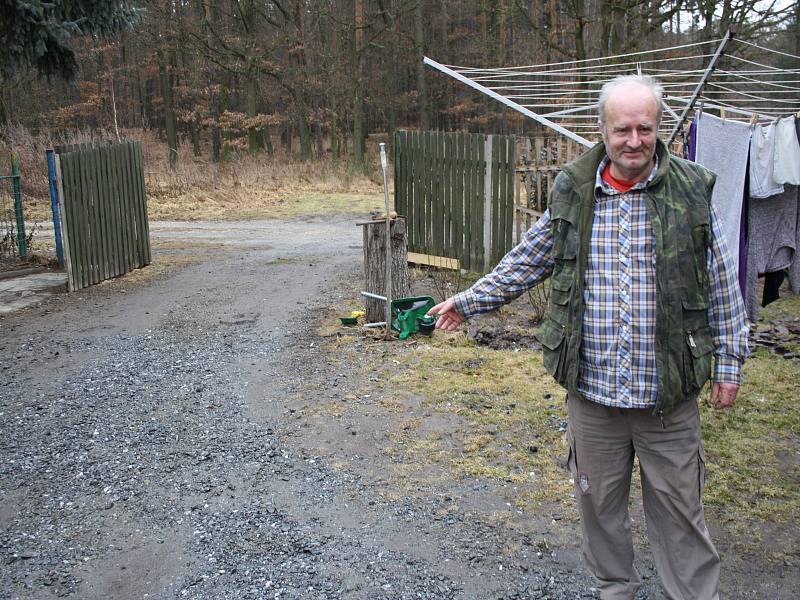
{"points": [[797, 127], [691, 140], [772, 242], [762, 163], [722, 147], [787, 152]]}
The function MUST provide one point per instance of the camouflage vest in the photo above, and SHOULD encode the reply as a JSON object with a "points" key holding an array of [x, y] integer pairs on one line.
{"points": [[678, 200]]}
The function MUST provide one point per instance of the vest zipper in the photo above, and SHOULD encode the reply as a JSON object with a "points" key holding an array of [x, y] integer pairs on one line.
{"points": [[691, 339], [661, 418]]}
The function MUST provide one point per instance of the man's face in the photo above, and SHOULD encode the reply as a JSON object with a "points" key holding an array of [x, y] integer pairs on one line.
{"points": [[629, 131]]}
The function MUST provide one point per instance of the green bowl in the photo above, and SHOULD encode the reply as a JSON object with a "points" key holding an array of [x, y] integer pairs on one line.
{"points": [[348, 320]]}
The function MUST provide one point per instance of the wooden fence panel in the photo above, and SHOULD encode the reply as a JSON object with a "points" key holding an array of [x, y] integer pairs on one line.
{"points": [[104, 209], [447, 187]]}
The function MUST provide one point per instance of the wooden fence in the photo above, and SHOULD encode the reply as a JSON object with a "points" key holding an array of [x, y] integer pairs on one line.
{"points": [[456, 191], [540, 160], [103, 211]]}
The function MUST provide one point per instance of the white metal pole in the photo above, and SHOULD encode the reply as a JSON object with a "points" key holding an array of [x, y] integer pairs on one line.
{"points": [[510, 103]]}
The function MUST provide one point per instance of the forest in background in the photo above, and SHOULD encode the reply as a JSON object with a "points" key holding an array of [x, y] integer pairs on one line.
{"points": [[314, 78]]}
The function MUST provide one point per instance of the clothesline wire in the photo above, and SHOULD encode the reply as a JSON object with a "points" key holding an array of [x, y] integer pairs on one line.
{"points": [[749, 93], [543, 76], [505, 74], [586, 60], [569, 88], [767, 67], [574, 85], [766, 49], [715, 103], [760, 81]]}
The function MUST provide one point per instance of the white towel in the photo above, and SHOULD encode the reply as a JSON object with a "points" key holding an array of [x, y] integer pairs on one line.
{"points": [[762, 163], [722, 147], [787, 152]]}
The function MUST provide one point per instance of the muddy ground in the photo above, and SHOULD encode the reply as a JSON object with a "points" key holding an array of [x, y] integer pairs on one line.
{"points": [[171, 435]]}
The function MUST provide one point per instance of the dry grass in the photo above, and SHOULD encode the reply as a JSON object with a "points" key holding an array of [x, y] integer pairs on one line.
{"points": [[509, 405], [244, 187]]}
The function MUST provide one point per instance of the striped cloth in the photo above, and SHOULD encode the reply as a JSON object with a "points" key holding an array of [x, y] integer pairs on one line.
{"points": [[618, 363]]}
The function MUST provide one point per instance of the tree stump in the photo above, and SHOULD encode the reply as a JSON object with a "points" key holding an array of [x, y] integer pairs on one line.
{"points": [[375, 265]]}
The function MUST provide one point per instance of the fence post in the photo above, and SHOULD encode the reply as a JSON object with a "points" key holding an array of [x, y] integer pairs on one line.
{"points": [[23, 251], [54, 204], [64, 224], [487, 202]]}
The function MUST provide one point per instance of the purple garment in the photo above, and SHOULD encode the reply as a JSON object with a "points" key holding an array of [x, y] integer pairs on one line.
{"points": [[743, 243], [691, 142]]}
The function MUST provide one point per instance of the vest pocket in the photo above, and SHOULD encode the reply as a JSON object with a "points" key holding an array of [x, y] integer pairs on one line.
{"points": [[696, 358], [551, 336], [560, 286]]}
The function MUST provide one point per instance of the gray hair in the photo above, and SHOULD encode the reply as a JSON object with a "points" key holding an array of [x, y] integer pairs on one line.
{"points": [[647, 81]]}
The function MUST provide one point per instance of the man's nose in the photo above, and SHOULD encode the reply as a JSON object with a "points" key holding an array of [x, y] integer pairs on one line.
{"points": [[634, 141]]}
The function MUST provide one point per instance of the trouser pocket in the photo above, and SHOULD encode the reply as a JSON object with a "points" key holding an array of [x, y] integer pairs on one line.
{"points": [[701, 469], [570, 460]]}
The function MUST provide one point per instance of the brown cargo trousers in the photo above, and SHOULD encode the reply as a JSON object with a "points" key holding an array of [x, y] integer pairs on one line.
{"points": [[603, 442]]}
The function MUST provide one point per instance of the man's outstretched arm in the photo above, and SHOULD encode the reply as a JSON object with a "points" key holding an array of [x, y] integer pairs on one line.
{"points": [[525, 265]]}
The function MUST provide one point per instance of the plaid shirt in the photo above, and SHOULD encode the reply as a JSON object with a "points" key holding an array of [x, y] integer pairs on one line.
{"points": [[618, 361]]}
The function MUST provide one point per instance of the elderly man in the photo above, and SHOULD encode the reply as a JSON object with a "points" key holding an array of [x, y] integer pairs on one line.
{"points": [[643, 293]]}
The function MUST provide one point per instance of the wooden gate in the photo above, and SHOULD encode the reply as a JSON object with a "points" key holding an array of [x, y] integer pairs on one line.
{"points": [[456, 191], [103, 211]]}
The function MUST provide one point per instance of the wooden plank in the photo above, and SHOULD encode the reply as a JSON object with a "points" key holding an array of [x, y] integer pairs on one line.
{"points": [[105, 226], [437, 197], [65, 198], [425, 189], [87, 245], [131, 206], [92, 215], [487, 224], [476, 202], [429, 191], [511, 183], [458, 195], [76, 219], [119, 189], [143, 202], [466, 220], [498, 203], [472, 167], [101, 226], [399, 196], [442, 262], [137, 179], [448, 195], [110, 213], [414, 182], [119, 231]]}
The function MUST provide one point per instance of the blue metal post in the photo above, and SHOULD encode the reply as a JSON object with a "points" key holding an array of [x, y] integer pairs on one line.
{"points": [[51, 176]]}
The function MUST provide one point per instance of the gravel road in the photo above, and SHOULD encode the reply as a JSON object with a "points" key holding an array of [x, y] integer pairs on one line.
{"points": [[149, 446]]}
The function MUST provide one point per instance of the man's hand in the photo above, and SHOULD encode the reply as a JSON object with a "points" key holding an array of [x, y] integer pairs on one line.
{"points": [[449, 317], [723, 394]]}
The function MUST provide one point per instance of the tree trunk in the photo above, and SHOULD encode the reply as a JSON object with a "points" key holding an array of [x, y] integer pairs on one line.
{"points": [[303, 128], [375, 266], [255, 141], [165, 77], [359, 129], [419, 48]]}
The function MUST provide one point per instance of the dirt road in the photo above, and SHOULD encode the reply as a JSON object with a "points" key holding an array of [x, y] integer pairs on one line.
{"points": [[154, 445]]}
